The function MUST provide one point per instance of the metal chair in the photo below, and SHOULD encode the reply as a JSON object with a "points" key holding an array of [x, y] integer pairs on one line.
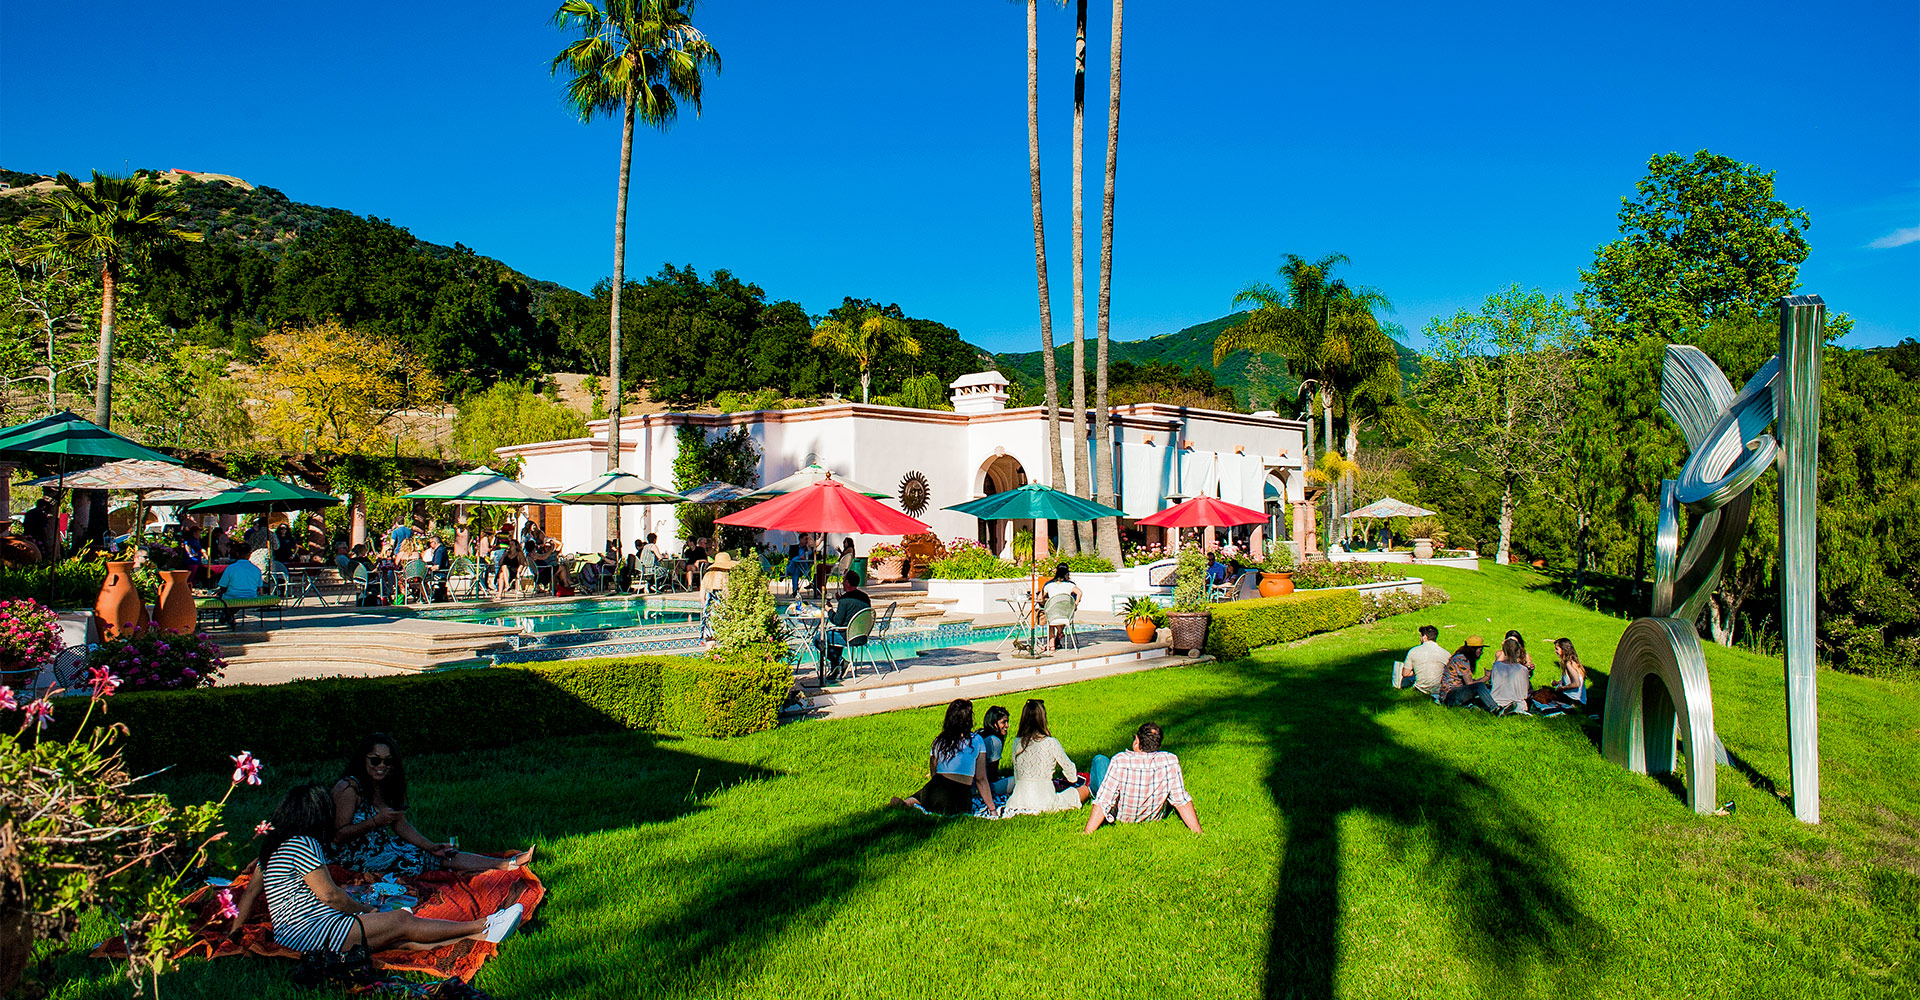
{"points": [[653, 574], [883, 632], [1060, 612], [853, 638], [798, 568]]}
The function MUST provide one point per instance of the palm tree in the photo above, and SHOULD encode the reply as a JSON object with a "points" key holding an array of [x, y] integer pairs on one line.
{"points": [[1057, 464], [110, 222], [1082, 476], [1108, 529], [1323, 327], [638, 59], [864, 340]]}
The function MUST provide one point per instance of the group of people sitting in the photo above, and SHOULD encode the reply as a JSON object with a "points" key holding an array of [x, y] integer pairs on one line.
{"points": [[1504, 687], [965, 767], [360, 824], [1241, 583]]}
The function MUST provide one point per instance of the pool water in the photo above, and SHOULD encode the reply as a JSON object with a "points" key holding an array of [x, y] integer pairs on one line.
{"points": [[911, 644], [573, 616]]}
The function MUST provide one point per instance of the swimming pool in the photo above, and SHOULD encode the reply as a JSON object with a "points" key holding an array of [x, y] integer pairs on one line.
{"points": [[574, 616]]}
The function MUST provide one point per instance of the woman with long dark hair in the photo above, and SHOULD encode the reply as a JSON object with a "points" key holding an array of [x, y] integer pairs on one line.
{"points": [[1035, 756], [370, 816], [1511, 676], [309, 910], [993, 732], [1570, 691], [957, 760]]}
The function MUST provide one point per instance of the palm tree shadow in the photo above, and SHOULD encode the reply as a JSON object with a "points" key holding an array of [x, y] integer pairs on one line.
{"points": [[1514, 913]]}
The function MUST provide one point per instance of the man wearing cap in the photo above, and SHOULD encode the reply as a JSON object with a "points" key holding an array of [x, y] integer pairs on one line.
{"points": [[1458, 685]]}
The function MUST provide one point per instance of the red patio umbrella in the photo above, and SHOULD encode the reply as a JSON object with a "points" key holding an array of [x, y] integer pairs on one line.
{"points": [[826, 506], [1203, 512]]}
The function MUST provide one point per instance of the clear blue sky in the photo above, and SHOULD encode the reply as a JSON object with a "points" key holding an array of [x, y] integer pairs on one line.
{"points": [[879, 149]]}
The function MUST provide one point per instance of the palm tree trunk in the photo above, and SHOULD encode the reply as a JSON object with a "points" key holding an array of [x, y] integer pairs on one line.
{"points": [[1082, 478], [866, 377], [1057, 466], [613, 322], [103, 385], [1107, 529], [1353, 450], [1333, 488]]}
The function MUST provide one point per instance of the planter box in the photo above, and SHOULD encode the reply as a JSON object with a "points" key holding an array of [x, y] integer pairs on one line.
{"points": [[982, 597], [1407, 585], [1462, 562]]}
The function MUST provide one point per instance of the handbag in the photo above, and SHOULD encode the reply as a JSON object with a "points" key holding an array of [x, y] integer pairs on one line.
{"points": [[322, 966]]}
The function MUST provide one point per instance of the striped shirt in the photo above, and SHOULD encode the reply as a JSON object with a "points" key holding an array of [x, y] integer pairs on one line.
{"points": [[301, 920]]}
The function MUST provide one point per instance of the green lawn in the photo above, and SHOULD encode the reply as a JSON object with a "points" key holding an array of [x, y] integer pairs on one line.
{"points": [[1360, 842]]}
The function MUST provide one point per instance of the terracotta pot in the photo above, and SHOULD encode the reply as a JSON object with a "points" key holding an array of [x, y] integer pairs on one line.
{"points": [[118, 606], [888, 569], [1188, 629], [16, 550], [1275, 584], [174, 610], [1423, 548], [1142, 630]]}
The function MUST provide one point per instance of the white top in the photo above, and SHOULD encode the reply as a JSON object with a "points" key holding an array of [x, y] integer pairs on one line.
{"points": [[1033, 766], [1429, 663]]}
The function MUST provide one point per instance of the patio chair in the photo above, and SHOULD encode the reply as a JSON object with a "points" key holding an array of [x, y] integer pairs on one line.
{"points": [[799, 568], [1060, 611], [853, 637], [883, 632], [366, 588], [653, 574], [419, 581]]}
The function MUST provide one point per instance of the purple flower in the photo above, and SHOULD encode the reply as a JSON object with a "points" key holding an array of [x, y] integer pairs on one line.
{"points": [[7, 702], [103, 682]]}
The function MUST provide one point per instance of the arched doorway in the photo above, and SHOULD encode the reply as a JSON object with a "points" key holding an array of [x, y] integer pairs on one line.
{"points": [[999, 474]]}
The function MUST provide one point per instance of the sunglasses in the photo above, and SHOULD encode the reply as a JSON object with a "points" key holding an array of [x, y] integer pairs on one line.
{"points": [[376, 760]]}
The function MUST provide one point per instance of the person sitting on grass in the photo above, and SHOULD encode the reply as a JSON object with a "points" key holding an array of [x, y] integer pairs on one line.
{"points": [[311, 913], [1511, 675], [1425, 663], [852, 601], [994, 732], [370, 828], [957, 768], [1570, 691], [1035, 757], [1140, 784], [1458, 683]]}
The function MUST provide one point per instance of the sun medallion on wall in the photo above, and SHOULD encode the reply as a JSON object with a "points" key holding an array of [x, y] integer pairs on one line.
{"points": [[914, 493]]}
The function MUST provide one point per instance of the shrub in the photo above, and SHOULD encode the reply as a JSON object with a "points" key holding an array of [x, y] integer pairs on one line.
{"points": [[69, 583], [452, 710], [1323, 575], [29, 634], [969, 560], [151, 658], [746, 622], [1279, 558], [1399, 602], [1144, 607], [1240, 626], [1084, 562], [886, 550], [1139, 555], [1190, 581]]}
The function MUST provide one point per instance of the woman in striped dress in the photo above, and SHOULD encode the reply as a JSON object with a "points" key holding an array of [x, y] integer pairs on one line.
{"points": [[311, 913]]}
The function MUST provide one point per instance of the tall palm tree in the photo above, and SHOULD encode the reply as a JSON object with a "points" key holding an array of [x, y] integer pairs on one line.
{"points": [[1323, 327], [865, 340], [639, 59], [1056, 463], [1082, 476], [1107, 531], [109, 222]]}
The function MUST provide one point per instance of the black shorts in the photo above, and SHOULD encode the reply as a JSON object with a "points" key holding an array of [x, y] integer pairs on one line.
{"points": [[941, 795]]}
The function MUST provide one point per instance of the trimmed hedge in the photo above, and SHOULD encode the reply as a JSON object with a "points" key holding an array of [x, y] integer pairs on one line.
{"points": [[443, 712], [1240, 626]]}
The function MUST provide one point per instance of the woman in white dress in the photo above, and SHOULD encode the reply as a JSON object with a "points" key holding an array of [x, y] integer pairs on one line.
{"points": [[1035, 756]]}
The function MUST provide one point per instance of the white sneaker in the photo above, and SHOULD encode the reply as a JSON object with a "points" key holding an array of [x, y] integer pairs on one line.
{"points": [[503, 923]]}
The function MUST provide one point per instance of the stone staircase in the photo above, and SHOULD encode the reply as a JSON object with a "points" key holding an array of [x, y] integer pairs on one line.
{"points": [[346, 644]]}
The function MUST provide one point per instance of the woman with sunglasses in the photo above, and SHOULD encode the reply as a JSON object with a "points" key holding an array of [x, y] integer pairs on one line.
{"points": [[370, 818]]}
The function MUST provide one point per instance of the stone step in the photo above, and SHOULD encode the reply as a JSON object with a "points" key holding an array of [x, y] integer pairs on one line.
{"points": [[1005, 677]]}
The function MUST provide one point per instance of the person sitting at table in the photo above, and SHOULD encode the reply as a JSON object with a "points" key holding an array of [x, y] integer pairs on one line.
{"points": [[696, 556], [310, 911], [956, 766], [613, 569], [564, 584], [372, 833], [1055, 603], [506, 563], [1246, 582], [1216, 573], [283, 543], [220, 547], [241, 579], [851, 602], [193, 557], [439, 564]]}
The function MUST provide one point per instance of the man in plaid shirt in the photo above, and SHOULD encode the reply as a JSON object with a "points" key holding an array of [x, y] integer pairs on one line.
{"points": [[1139, 785]]}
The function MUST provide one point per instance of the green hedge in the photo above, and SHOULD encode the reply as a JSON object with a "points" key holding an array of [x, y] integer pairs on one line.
{"points": [[1240, 626], [443, 712]]}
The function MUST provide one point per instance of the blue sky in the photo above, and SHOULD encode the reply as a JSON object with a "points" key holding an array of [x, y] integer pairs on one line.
{"points": [[879, 150]]}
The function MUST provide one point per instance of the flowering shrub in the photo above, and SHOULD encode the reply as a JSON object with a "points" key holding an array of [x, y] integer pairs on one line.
{"points": [[886, 550], [1321, 575], [969, 560], [1084, 562], [151, 658], [1140, 555], [1374, 607], [29, 634]]}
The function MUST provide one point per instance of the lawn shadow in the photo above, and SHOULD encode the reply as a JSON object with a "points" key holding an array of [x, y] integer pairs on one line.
{"points": [[1515, 916]]}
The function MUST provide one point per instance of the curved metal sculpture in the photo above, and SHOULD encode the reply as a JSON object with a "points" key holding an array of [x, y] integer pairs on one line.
{"points": [[1658, 689]]}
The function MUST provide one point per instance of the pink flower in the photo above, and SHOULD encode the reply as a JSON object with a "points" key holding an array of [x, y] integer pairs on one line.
{"points": [[227, 910], [7, 701], [263, 829], [103, 682], [41, 712], [246, 768]]}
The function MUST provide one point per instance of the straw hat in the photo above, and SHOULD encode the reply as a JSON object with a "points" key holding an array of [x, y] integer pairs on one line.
{"points": [[722, 561], [1476, 642]]}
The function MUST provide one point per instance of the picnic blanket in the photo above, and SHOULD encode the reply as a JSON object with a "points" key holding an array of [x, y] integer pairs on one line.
{"points": [[443, 895]]}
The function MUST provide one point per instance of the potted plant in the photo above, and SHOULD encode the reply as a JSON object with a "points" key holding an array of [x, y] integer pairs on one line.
{"points": [[887, 562], [29, 639], [1276, 575], [1424, 530], [1187, 622], [1143, 619]]}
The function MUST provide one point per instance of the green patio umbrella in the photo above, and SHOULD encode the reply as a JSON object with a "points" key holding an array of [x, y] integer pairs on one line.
{"points": [[1038, 502], [265, 495], [68, 436], [807, 477], [617, 488]]}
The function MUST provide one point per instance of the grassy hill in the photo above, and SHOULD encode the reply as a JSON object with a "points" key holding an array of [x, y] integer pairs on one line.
{"points": [[1360, 842], [1257, 382]]}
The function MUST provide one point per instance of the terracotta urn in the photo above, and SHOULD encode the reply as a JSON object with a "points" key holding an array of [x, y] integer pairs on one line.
{"points": [[17, 550], [1423, 548], [1275, 584], [1142, 630], [174, 611], [118, 606]]}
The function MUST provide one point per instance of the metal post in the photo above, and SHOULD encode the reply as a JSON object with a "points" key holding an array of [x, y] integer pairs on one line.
{"points": [[1802, 334]]}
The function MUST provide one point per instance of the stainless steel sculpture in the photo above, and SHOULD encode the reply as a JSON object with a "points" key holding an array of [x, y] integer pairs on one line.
{"points": [[1658, 689]]}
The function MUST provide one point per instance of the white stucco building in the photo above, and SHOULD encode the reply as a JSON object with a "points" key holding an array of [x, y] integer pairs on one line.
{"points": [[981, 447]]}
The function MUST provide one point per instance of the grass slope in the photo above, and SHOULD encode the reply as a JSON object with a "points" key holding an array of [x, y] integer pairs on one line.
{"points": [[1360, 842]]}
